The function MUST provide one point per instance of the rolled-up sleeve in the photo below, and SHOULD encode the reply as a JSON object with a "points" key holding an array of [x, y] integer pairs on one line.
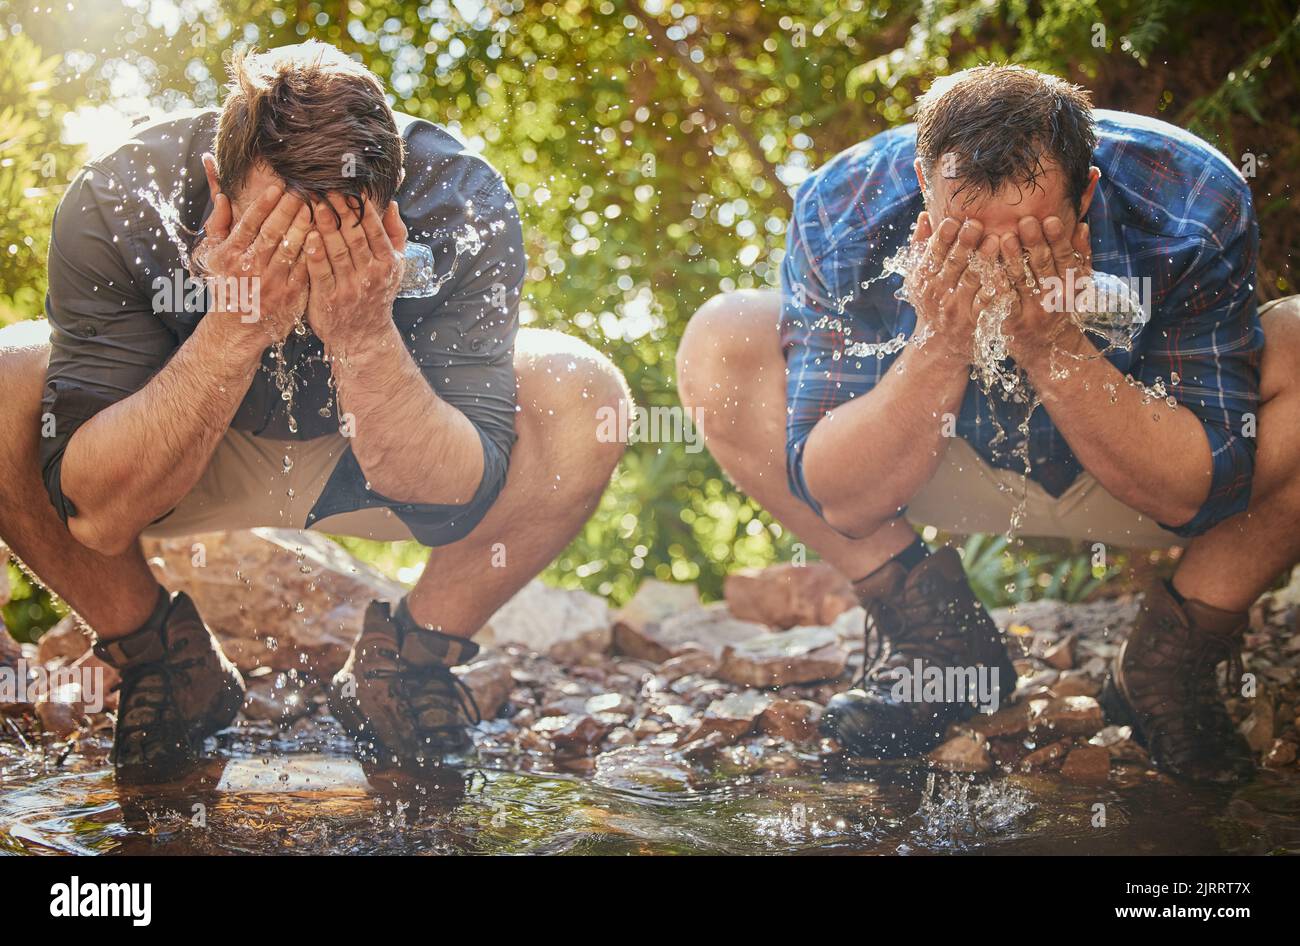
{"points": [[464, 343], [818, 341], [1205, 348], [105, 340]]}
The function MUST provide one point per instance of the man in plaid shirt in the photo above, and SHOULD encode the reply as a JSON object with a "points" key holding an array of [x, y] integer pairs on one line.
{"points": [[849, 408]]}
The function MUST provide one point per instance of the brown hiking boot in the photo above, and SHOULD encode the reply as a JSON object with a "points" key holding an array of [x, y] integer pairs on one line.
{"points": [[928, 615], [1164, 683], [396, 695], [177, 689]]}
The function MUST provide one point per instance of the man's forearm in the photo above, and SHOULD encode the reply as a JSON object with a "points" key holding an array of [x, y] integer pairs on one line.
{"points": [[1147, 455], [412, 445], [868, 457], [135, 460]]}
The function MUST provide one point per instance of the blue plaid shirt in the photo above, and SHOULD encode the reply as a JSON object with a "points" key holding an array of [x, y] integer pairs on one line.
{"points": [[1168, 207]]}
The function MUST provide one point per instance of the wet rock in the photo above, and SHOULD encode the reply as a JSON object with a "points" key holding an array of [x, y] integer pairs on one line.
{"points": [[617, 703], [1280, 754], [1066, 716], [1045, 756], [730, 718], [792, 720], [61, 720], [1075, 683], [1087, 764], [10, 650], [1060, 655], [561, 624], [967, 752], [274, 597], [654, 601], [572, 734], [620, 736], [695, 662], [1009, 721], [789, 595], [1118, 741], [65, 641], [709, 629], [489, 679], [1259, 726], [1034, 683], [800, 655]]}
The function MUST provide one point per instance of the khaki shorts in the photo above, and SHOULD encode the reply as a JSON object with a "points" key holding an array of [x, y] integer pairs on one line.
{"points": [[254, 482], [967, 495]]}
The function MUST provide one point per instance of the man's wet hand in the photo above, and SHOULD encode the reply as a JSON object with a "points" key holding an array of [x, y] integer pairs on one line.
{"points": [[264, 247], [1044, 259], [944, 285], [355, 269]]}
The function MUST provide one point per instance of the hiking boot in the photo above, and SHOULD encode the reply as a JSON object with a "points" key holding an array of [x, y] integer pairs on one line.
{"points": [[177, 689], [928, 614], [396, 695], [1164, 683]]}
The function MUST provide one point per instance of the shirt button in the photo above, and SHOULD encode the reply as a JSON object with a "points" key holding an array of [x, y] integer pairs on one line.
{"points": [[476, 344], [87, 330]]}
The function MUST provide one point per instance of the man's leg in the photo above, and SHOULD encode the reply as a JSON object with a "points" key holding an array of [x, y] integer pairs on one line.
{"points": [[558, 471], [1236, 561], [177, 686], [114, 595], [396, 694], [1164, 679], [731, 368]]}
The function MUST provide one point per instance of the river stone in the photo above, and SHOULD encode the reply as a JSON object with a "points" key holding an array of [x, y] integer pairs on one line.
{"points": [[789, 595], [65, 641], [731, 717], [792, 720], [653, 602], [710, 629], [966, 752], [1066, 716], [1008, 721], [1280, 755], [1259, 726], [564, 625], [489, 679], [800, 655], [277, 598]]}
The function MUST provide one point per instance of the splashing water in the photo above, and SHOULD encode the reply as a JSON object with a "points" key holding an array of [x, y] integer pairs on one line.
{"points": [[1102, 305], [957, 810]]}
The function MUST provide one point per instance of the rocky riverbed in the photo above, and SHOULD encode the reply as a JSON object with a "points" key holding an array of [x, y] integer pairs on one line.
{"points": [[642, 726]]}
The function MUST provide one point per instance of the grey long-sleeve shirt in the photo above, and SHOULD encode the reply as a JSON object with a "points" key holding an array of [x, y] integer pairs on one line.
{"points": [[114, 324]]}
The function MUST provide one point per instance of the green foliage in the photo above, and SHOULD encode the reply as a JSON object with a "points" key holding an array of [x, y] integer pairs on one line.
{"points": [[651, 148], [30, 155]]}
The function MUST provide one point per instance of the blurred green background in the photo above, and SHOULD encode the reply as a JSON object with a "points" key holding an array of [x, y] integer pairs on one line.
{"points": [[651, 148]]}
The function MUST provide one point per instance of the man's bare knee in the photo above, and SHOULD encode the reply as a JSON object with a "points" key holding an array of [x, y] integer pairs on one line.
{"points": [[1281, 363], [726, 339], [568, 395], [24, 357]]}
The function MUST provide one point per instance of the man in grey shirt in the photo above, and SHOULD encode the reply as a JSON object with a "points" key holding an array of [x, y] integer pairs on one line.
{"points": [[226, 348]]}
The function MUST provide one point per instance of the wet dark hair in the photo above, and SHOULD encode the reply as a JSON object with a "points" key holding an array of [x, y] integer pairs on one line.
{"points": [[316, 118], [1003, 124]]}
